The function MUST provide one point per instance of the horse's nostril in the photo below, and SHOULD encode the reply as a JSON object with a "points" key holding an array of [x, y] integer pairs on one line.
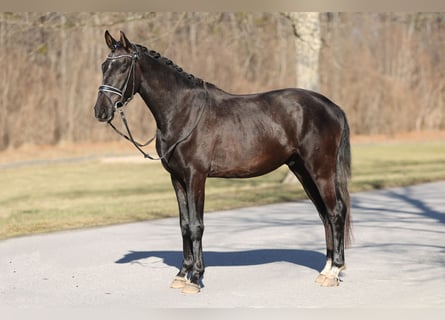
{"points": [[102, 115]]}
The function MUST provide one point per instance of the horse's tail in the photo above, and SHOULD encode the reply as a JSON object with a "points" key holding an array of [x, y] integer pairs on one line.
{"points": [[343, 175]]}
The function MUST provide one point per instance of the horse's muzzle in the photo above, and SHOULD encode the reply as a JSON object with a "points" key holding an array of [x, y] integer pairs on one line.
{"points": [[103, 114], [103, 109]]}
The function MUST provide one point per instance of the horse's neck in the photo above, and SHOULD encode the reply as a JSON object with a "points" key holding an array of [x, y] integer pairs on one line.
{"points": [[159, 97], [155, 103], [168, 109]]}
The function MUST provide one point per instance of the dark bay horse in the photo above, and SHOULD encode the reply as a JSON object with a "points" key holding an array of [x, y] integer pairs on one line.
{"points": [[204, 132]]}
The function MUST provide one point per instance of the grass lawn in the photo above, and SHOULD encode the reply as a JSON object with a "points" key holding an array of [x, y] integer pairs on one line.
{"points": [[63, 196]]}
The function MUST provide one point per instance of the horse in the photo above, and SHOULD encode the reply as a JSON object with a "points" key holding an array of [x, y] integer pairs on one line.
{"points": [[203, 131]]}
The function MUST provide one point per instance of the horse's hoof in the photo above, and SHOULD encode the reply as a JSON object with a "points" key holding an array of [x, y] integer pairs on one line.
{"points": [[178, 282], [320, 279], [191, 288], [330, 282]]}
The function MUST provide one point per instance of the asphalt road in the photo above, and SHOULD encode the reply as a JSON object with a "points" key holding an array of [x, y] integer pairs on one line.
{"points": [[265, 256]]}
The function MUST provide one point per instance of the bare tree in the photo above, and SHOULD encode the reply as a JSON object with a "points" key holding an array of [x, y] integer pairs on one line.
{"points": [[306, 27], [307, 43]]}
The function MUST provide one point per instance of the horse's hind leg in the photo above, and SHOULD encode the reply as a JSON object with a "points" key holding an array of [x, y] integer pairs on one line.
{"points": [[334, 219], [334, 222], [330, 206]]}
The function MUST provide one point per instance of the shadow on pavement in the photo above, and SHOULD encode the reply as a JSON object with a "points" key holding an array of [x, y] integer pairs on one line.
{"points": [[414, 204], [310, 259]]}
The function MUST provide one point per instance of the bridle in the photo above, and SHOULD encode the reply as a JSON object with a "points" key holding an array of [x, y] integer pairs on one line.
{"points": [[107, 88], [120, 104]]}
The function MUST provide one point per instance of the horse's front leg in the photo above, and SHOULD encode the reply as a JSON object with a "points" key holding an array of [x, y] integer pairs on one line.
{"points": [[195, 201], [187, 263], [190, 196]]}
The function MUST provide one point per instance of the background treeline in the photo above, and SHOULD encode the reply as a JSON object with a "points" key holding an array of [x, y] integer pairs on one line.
{"points": [[385, 69]]}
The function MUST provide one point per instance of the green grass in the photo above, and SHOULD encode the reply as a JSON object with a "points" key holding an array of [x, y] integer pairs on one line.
{"points": [[65, 196], [377, 166]]}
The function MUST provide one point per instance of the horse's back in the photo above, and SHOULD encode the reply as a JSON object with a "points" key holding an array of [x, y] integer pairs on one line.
{"points": [[277, 102], [289, 113]]}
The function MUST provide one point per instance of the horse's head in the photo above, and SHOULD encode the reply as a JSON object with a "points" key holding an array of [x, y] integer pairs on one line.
{"points": [[120, 79]]}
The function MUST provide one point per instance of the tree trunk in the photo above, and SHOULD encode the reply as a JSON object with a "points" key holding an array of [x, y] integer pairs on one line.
{"points": [[307, 43]]}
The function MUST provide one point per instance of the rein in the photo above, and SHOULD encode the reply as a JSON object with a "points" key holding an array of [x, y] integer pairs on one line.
{"points": [[120, 104]]}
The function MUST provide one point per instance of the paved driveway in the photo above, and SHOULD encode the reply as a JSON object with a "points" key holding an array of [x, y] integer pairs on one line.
{"points": [[263, 256]]}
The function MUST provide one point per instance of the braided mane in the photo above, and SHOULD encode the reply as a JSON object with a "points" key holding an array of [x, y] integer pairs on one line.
{"points": [[157, 56]]}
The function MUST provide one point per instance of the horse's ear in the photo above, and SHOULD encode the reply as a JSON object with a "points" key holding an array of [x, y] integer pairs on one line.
{"points": [[126, 44], [111, 43]]}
